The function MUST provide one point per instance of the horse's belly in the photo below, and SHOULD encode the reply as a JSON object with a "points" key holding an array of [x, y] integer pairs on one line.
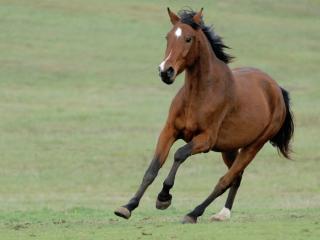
{"points": [[238, 132], [228, 140]]}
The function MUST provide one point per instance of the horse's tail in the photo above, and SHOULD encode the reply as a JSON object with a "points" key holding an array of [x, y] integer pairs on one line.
{"points": [[282, 139]]}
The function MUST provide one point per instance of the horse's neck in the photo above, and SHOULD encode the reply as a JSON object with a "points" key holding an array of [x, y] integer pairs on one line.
{"points": [[207, 73]]}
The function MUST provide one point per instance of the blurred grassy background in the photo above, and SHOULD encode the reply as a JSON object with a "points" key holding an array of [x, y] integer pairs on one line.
{"points": [[81, 107]]}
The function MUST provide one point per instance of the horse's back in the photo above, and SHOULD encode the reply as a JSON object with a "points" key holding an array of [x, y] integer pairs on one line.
{"points": [[250, 75]]}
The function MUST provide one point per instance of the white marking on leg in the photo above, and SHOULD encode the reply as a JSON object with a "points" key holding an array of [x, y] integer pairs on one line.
{"points": [[164, 62], [178, 32], [224, 214]]}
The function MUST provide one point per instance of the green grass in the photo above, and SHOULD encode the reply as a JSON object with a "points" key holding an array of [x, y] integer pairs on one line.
{"points": [[81, 107]]}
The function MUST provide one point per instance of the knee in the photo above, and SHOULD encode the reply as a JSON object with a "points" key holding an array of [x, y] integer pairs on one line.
{"points": [[182, 153], [179, 156], [152, 171]]}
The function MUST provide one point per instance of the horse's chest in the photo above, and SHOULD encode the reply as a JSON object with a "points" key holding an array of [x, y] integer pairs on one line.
{"points": [[187, 134], [188, 127]]}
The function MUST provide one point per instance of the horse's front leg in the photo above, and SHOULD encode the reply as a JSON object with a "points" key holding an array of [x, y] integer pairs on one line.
{"points": [[200, 143], [165, 141]]}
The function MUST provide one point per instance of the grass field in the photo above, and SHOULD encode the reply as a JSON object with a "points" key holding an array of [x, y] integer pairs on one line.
{"points": [[81, 107]]}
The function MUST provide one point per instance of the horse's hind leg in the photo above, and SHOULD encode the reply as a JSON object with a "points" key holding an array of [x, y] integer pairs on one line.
{"points": [[225, 213], [244, 157]]}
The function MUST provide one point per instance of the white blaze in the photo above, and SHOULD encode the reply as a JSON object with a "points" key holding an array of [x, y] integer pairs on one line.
{"points": [[164, 62], [178, 32]]}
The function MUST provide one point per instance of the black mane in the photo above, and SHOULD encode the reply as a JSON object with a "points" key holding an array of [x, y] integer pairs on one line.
{"points": [[186, 16]]}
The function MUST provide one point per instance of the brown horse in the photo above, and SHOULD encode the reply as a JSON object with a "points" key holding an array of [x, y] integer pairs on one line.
{"points": [[234, 112]]}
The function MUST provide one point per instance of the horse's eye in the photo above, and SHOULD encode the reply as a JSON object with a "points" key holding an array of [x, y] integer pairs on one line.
{"points": [[188, 39]]}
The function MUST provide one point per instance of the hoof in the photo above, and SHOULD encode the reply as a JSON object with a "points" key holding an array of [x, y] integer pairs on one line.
{"points": [[123, 212], [188, 219], [223, 215], [162, 205]]}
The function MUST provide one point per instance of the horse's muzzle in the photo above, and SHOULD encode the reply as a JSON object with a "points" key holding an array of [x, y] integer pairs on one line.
{"points": [[167, 76]]}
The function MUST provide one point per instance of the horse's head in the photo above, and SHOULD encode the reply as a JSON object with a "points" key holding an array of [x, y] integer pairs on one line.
{"points": [[181, 49]]}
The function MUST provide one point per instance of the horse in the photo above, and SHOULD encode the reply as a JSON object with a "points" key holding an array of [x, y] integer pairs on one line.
{"points": [[234, 112]]}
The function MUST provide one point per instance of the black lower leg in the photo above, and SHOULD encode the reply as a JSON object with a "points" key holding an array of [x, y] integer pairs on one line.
{"points": [[148, 178], [132, 204], [232, 192], [179, 157], [164, 195], [199, 210]]}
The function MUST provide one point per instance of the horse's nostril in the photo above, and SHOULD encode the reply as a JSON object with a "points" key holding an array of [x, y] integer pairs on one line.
{"points": [[170, 72]]}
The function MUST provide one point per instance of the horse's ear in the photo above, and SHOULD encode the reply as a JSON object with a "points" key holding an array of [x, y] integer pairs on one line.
{"points": [[198, 17], [173, 17]]}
